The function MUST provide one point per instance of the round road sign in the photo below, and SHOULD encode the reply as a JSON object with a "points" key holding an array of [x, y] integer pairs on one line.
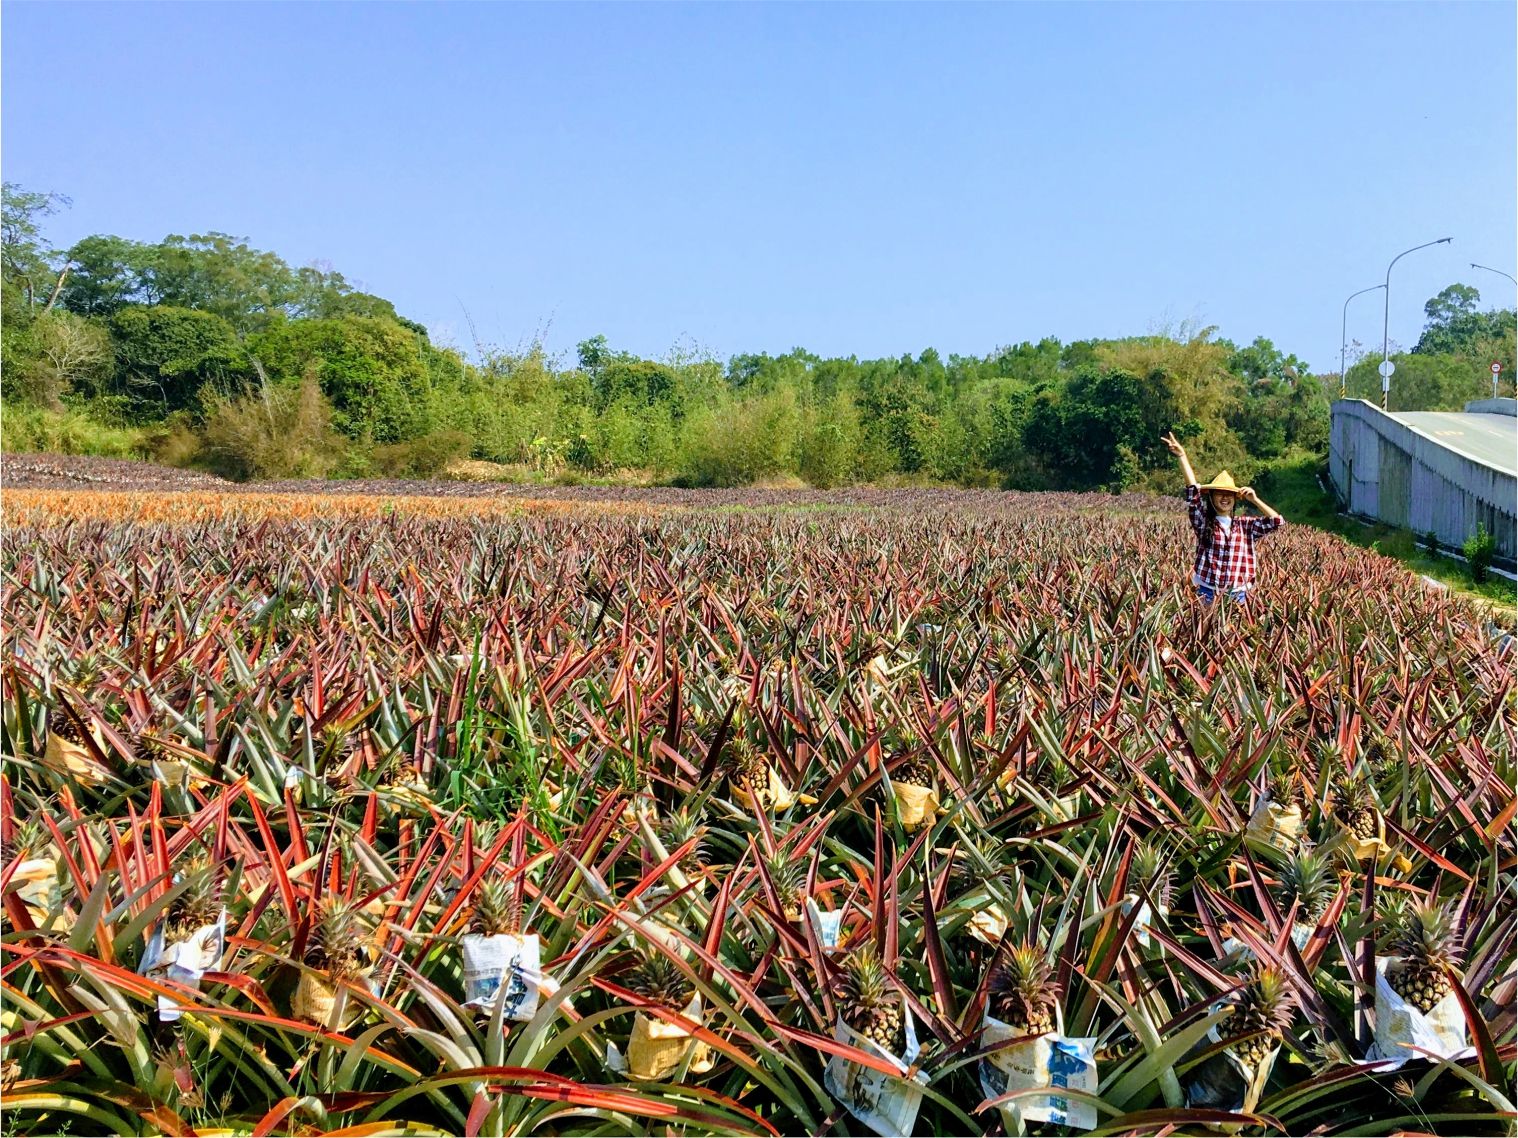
{"points": [[1496, 368], [1386, 369]]}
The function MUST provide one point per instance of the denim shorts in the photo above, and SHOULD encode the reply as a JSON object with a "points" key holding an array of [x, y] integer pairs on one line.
{"points": [[1209, 594]]}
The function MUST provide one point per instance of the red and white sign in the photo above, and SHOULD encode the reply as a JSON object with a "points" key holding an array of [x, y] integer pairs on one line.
{"points": [[1496, 367]]}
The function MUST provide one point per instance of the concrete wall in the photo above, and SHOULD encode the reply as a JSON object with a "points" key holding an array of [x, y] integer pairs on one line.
{"points": [[1507, 406], [1384, 470]]}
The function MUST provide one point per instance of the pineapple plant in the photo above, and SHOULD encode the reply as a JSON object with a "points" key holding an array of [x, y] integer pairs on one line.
{"points": [[338, 942], [679, 827], [867, 1002], [1354, 808], [748, 771], [789, 879], [1022, 992], [1261, 1014], [917, 768], [1285, 788], [658, 979], [1150, 871], [198, 906], [1424, 942], [1309, 882], [496, 908]]}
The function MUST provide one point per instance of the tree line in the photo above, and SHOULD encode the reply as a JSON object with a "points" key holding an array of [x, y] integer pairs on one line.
{"points": [[201, 350]]}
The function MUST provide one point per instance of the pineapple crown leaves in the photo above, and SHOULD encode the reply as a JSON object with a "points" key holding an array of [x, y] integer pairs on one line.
{"points": [[1308, 877], [1265, 1004], [654, 976], [863, 979], [1424, 931], [1021, 987]]}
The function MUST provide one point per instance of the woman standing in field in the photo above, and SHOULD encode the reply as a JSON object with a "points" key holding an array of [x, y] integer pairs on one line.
{"points": [[1225, 560]]}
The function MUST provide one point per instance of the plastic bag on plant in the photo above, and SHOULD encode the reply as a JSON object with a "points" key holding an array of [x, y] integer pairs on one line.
{"points": [[1052, 1060], [503, 961], [886, 1104], [1441, 1030], [1226, 1082], [184, 961], [1145, 919]]}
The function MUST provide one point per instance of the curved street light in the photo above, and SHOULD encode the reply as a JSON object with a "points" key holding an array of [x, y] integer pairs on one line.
{"points": [[1344, 336], [1386, 318], [1499, 272]]}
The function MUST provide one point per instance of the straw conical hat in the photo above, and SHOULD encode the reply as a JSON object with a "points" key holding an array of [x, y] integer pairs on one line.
{"points": [[1223, 481]]}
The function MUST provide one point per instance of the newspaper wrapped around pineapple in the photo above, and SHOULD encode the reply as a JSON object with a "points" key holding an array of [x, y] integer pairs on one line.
{"points": [[184, 961], [504, 967], [886, 1104], [828, 926], [1274, 825], [1051, 1060], [659, 1048], [1144, 921], [1236, 950], [1400, 1027]]}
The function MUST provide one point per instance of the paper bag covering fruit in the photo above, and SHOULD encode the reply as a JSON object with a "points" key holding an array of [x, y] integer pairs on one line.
{"points": [[185, 959], [916, 806], [506, 967], [775, 796], [886, 1104], [1050, 1060], [72, 758], [988, 924], [1402, 1025], [658, 1048], [36, 883], [1274, 824]]}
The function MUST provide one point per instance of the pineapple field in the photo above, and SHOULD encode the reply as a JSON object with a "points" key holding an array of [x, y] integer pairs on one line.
{"points": [[891, 812]]}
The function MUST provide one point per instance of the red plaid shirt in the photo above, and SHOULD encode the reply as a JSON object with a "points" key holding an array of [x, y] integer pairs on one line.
{"points": [[1225, 557]]}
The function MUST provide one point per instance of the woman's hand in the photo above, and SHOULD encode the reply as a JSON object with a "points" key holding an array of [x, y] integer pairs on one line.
{"points": [[1248, 494], [1174, 444]]}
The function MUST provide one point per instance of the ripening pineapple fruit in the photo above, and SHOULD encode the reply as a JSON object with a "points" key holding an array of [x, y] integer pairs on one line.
{"points": [[1354, 807], [1261, 1014], [198, 906], [658, 979], [1022, 992], [979, 859], [868, 1003], [623, 772], [1309, 881], [917, 769], [496, 909], [748, 770], [338, 944], [679, 827], [1425, 942], [61, 724]]}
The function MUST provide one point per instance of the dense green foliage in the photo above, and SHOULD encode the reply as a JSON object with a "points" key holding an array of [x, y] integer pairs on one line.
{"points": [[184, 344]]}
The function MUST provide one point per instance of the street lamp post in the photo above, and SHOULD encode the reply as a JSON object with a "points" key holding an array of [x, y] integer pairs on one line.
{"points": [[1386, 364], [1344, 336], [1510, 277]]}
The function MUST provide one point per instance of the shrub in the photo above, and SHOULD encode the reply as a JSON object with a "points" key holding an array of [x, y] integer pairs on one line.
{"points": [[424, 457], [273, 431], [1479, 549], [26, 430]]}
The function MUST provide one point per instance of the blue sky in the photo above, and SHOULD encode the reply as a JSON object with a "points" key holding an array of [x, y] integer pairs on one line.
{"points": [[852, 178]]}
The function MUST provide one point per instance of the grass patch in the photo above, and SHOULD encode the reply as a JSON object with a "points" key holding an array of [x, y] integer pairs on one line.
{"points": [[37, 430], [1291, 484]]}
